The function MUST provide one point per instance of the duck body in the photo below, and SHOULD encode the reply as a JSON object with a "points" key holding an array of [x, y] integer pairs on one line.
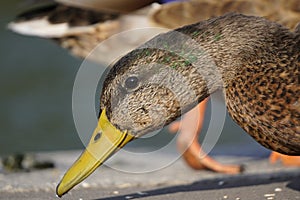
{"points": [[263, 97], [255, 62]]}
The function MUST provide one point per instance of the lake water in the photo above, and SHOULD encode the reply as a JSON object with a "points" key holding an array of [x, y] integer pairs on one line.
{"points": [[37, 80]]}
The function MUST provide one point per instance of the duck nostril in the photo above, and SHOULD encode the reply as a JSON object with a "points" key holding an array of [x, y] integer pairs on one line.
{"points": [[97, 136]]}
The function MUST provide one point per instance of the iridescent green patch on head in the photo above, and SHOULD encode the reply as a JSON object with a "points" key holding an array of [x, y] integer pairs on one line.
{"points": [[166, 45], [147, 52], [195, 33], [192, 58], [218, 36], [167, 59]]}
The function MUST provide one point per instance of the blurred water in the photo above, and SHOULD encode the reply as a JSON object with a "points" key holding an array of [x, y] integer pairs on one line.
{"points": [[36, 98]]}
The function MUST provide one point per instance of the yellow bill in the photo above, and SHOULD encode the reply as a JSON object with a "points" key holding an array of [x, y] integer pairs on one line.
{"points": [[105, 140]]}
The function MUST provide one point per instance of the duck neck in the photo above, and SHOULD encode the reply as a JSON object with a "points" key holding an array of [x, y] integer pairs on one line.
{"points": [[231, 42]]}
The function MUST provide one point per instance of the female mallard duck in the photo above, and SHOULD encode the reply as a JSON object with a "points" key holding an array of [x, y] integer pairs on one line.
{"points": [[254, 61], [80, 25]]}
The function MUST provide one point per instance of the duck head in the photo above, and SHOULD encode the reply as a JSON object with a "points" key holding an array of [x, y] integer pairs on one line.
{"points": [[145, 90]]}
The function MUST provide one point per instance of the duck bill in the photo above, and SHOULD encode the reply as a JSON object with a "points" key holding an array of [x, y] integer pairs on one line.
{"points": [[105, 141]]}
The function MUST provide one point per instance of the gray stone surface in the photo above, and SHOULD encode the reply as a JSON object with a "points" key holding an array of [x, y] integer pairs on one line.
{"points": [[174, 181]]}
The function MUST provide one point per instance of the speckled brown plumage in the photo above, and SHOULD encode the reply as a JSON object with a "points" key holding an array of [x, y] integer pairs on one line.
{"points": [[176, 14], [254, 61], [263, 98]]}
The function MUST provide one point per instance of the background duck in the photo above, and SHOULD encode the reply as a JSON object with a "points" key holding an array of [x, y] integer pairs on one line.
{"points": [[80, 26], [98, 22], [176, 14], [254, 61]]}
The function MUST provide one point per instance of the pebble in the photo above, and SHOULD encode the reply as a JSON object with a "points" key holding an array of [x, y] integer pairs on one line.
{"points": [[141, 193], [278, 190], [269, 195], [115, 192], [85, 185], [238, 198], [225, 197], [221, 183], [128, 197]]}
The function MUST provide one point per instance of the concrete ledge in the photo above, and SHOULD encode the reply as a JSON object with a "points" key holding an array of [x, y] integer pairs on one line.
{"points": [[175, 181]]}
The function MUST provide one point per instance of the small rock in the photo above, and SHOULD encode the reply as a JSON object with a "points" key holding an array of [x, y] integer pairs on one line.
{"points": [[278, 190], [115, 192], [225, 197], [128, 197], [221, 183], [141, 193], [269, 195], [85, 185]]}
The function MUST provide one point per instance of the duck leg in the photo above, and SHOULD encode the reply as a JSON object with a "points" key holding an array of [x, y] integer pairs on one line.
{"points": [[189, 146], [285, 159], [197, 158]]}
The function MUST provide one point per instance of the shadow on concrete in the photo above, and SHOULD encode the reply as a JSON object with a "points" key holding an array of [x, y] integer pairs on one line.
{"points": [[294, 185], [220, 183]]}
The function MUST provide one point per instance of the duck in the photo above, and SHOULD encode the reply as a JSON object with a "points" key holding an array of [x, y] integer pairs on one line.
{"points": [[100, 19], [176, 14], [79, 26], [254, 61]]}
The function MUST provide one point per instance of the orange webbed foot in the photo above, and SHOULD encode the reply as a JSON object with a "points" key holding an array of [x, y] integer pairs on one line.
{"points": [[197, 159], [286, 160], [189, 146]]}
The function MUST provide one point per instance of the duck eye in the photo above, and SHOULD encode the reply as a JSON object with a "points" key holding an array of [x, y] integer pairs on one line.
{"points": [[131, 82]]}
